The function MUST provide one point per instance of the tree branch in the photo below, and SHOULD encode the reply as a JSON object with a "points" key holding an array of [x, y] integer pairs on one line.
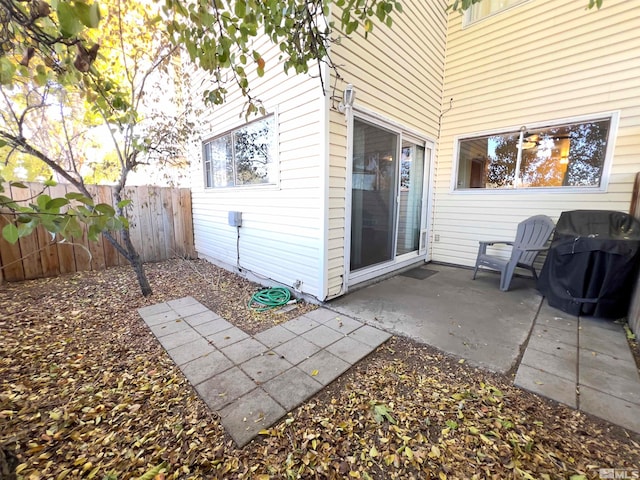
{"points": [[23, 146]]}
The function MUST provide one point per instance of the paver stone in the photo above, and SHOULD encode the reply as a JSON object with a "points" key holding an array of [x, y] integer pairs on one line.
{"points": [[291, 388], [274, 336], [349, 349], [224, 388], [563, 364], [610, 408], [153, 309], [205, 367], [370, 335], [244, 350], [296, 350], [212, 327], [322, 336], [547, 385], [249, 414], [265, 367], [326, 366], [227, 337], [190, 351], [179, 338]]}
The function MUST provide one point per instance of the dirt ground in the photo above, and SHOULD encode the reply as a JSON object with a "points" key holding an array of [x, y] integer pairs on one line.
{"points": [[86, 391]]}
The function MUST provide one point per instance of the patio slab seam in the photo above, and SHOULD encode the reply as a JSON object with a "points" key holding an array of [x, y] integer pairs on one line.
{"points": [[253, 381], [597, 375]]}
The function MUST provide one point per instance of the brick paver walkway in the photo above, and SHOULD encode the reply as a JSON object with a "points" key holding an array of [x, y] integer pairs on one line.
{"points": [[585, 363], [253, 381]]}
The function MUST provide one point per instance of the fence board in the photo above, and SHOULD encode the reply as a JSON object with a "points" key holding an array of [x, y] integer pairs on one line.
{"points": [[157, 225], [46, 243], [66, 257], [160, 228], [96, 248], [48, 253], [133, 214], [12, 268], [104, 195], [178, 226], [147, 248], [29, 247], [187, 222], [81, 251], [167, 222]]}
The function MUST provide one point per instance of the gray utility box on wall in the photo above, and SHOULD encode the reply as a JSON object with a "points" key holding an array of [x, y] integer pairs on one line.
{"points": [[235, 219]]}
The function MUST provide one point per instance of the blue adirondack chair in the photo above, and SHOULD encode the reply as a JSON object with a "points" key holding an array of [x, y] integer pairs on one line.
{"points": [[531, 238]]}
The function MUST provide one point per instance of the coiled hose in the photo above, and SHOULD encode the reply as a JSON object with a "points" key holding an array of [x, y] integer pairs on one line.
{"points": [[269, 298]]}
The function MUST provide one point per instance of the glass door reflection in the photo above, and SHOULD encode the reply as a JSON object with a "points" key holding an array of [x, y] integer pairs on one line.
{"points": [[373, 201], [410, 195]]}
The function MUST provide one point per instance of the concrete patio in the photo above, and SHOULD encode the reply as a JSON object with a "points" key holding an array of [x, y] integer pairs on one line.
{"points": [[583, 362], [469, 319]]}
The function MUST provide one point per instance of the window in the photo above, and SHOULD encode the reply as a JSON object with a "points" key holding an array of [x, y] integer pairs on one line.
{"points": [[244, 156], [568, 155], [487, 8]]}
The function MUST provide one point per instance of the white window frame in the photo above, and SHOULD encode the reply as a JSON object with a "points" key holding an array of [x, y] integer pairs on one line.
{"points": [[613, 116], [274, 182], [468, 20]]}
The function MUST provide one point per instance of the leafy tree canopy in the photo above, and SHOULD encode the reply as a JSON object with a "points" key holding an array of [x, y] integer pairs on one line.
{"points": [[61, 42]]}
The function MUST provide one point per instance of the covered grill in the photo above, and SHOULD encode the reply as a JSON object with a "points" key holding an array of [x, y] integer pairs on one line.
{"points": [[592, 264]]}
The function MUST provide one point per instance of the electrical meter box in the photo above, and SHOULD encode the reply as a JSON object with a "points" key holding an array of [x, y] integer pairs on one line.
{"points": [[235, 219]]}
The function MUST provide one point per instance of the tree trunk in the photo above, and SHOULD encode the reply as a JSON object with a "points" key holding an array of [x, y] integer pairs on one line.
{"points": [[8, 464], [129, 252], [143, 281], [136, 263], [126, 248]]}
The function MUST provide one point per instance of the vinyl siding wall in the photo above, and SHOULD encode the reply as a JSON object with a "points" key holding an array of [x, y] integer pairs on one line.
{"points": [[535, 63], [281, 238], [397, 73]]}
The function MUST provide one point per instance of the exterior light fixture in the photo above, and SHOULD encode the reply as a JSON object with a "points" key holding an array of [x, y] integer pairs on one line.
{"points": [[348, 97]]}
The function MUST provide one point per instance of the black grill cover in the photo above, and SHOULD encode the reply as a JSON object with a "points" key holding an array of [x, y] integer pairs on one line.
{"points": [[592, 263]]}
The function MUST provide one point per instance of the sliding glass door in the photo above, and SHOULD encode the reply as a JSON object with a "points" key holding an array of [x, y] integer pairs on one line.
{"points": [[373, 205], [410, 197], [388, 211]]}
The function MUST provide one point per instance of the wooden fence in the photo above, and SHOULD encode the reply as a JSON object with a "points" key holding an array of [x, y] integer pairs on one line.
{"points": [[160, 227]]}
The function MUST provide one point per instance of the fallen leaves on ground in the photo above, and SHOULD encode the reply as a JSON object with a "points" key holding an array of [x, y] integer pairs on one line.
{"points": [[86, 391]]}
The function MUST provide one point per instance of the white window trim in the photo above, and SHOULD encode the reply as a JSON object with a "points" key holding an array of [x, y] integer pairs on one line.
{"points": [[386, 123], [274, 185], [614, 116], [467, 22]]}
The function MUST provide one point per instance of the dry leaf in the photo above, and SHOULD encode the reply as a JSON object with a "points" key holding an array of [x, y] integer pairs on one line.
{"points": [[98, 389]]}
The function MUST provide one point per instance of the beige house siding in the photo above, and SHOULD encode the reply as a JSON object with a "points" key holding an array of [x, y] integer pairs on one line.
{"points": [[538, 62], [397, 73], [281, 238], [337, 201]]}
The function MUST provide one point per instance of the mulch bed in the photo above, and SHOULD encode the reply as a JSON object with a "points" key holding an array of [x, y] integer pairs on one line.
{"points": [[86, 391]]}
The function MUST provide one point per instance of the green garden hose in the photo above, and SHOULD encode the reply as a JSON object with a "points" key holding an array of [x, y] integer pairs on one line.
{"points": [[269, 298]]}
